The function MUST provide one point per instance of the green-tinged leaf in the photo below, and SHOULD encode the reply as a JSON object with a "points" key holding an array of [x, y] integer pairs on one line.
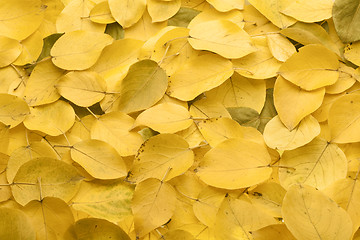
{"points": [[49, 42], [183, 17], [51, 219], [245, 116], [98, 229], [14, 224], [346, 16], [109, 200], [45, 177], [143, 86], [115, 30]]}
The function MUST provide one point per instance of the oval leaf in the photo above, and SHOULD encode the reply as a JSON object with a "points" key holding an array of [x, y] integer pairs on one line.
{"points": [[79, 50], [99, 159], [82, 88], [13, 110], [165, 118], [344, 119], [153, 205], [317, 164], [53, 119], [313, 67], [163, 156], [45, 177], [309, 214], [222, 37], [235, 163]]}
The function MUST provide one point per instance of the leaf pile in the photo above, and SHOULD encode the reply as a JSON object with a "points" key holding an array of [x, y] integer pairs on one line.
{"points": [[179, 119]]}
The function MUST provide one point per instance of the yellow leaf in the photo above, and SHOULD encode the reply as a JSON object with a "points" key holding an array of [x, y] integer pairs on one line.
{"points": [[117, 55], [351, 52], [45, 177], [52, 11], [127, 13], [293, 103], [165, 118], [9, 78], [24, 154], [235, 163], [5, 190], [178, 234], [10, 49], [13, 110], [322, 113], [4, 138], [217, 130], [172, 50], [51, 218], [280, 47], [227, 5], [237, 218], [99, 159], [268, 196], [310, 33], [344, 119], [19, 18], [211, 14], [235, 92], [75, 16], [271, 9], [347, 78], [308, 10], [114, 128], [162, 10], [107, 200], [346, 193], [31, 49], [277, 231], [278, 136], [199, 74], [309, 214], [144, 29], [316, 164], [82, 88], [313, 67], [14, 224], [100, 13], [143, 86], [99, 229], [223, 37], [192, 135], [40, 88], [206, 108], [207, 205], [79, 50], [153, 205], [260, 64], [53, 119], [163, 157]]}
